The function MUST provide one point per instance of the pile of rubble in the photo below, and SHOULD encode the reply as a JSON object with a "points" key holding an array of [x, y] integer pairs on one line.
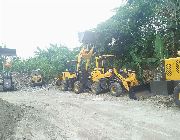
{"points": [[9, 116], [22, 80], [162, 101], [148, 75]]}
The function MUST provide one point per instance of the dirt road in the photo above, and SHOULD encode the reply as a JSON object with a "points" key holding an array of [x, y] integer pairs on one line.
{"points": [[55, 115]]}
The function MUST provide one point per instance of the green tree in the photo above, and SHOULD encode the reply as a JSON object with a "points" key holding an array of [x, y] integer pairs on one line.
{"points": [[51, 61], [144, 32]]}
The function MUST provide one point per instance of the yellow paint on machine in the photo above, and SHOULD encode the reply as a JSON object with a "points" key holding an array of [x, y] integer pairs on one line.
{"points": [[172, 68]]}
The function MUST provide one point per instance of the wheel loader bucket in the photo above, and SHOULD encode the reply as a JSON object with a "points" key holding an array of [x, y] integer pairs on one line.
{"points": [[154, 88], [140, 92], [162, 87], [87, 37]]}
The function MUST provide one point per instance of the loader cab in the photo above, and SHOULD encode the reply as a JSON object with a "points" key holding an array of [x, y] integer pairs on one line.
{"points": [[104, 67], [71, 66], [104, 62], [71, 70]]}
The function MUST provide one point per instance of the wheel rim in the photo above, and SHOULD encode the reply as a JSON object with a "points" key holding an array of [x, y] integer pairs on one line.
{"points": [[113, 89], [63, 87], [94, 92], [76, 89], [93, 89]]}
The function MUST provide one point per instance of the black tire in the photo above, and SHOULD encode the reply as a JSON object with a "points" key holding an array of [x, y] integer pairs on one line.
{"points": [[96, 88], [70, 89], [71, 84], [116, 89], [88, 85], [1, 87], [14, 88], [58, 82], [64, 87], [177, 95], [78, 87], [104, 84]]}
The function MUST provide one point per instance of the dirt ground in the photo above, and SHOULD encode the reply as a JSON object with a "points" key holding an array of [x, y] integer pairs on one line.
{"points": [[54, 115]]}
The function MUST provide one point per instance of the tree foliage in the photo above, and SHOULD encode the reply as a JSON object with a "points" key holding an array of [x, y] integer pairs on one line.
{"points": [[144, 32], [51, 61], [139, 34]]}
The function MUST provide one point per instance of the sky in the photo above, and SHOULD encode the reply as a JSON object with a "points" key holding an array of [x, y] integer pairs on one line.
{"points": [[28, 24]]}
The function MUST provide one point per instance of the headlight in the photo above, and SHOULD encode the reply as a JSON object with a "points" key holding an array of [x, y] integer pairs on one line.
{"points": [[110, 70]]}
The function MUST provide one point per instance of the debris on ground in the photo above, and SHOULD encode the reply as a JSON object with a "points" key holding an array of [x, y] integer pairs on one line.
{"points": [[162, 101], [54, 114], [147, 75], [9, 116], [22, 80]]}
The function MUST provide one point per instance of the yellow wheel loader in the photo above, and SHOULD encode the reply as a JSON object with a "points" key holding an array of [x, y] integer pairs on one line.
{"points": [[83, 77], [77, 79], [58, 80], [105, 77], [36, 78], [7, 80], [69, 76], [167, 81]]}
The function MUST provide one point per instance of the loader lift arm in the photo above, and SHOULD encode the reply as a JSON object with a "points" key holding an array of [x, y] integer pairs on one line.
{"points": [[122, 79]]}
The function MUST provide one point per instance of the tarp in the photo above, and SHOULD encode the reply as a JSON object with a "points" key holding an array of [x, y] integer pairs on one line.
{"points": [[7, 52]]}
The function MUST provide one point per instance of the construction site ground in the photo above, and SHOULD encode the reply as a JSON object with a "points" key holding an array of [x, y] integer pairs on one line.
{"points": [[50, 114]]}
